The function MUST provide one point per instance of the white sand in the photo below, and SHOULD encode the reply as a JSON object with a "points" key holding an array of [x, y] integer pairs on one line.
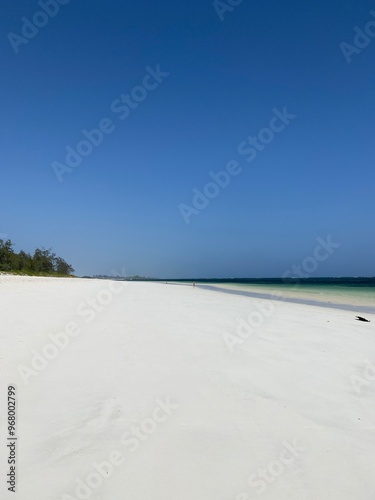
{"points": [[288, 386]]}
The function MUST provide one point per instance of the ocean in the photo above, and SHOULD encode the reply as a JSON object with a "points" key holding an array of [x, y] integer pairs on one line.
{"points": [[356, 294]]}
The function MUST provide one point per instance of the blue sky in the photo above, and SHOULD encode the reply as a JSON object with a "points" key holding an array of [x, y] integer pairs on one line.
{"points": [[119, 209]]}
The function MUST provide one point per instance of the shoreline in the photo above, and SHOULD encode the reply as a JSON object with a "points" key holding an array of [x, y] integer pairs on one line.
{"points": [[294, 300], [288, 296], [275, 293]]}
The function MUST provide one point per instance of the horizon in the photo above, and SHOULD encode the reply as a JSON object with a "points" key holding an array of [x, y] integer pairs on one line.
{"points": [[180, 139], [284, 280]]}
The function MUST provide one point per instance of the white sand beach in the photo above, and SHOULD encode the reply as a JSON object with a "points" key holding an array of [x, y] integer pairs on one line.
{"points": [[166, 392]]}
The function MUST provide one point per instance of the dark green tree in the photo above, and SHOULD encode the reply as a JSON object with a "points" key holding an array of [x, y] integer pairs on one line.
{"points": [[41, 262], [62, 267], [7, 259]]}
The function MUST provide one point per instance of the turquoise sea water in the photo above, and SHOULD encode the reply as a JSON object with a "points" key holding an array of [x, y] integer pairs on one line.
{"points": [[347, 293]]}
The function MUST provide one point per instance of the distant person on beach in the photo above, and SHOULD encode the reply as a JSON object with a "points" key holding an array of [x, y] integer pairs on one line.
{"points": [[193, 284]]}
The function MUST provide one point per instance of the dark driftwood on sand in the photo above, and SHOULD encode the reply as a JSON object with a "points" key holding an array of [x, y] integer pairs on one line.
{"points": [[359, 318]]}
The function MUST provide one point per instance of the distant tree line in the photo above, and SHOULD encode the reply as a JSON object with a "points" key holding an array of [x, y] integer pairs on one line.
{"points": [[43, 261]]}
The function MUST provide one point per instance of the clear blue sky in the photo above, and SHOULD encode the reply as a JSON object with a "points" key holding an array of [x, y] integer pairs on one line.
{"points": [[119, 208]]}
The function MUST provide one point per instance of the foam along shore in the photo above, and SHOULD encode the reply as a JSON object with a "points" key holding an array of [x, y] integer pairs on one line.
{"points": [[158, 391]]}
